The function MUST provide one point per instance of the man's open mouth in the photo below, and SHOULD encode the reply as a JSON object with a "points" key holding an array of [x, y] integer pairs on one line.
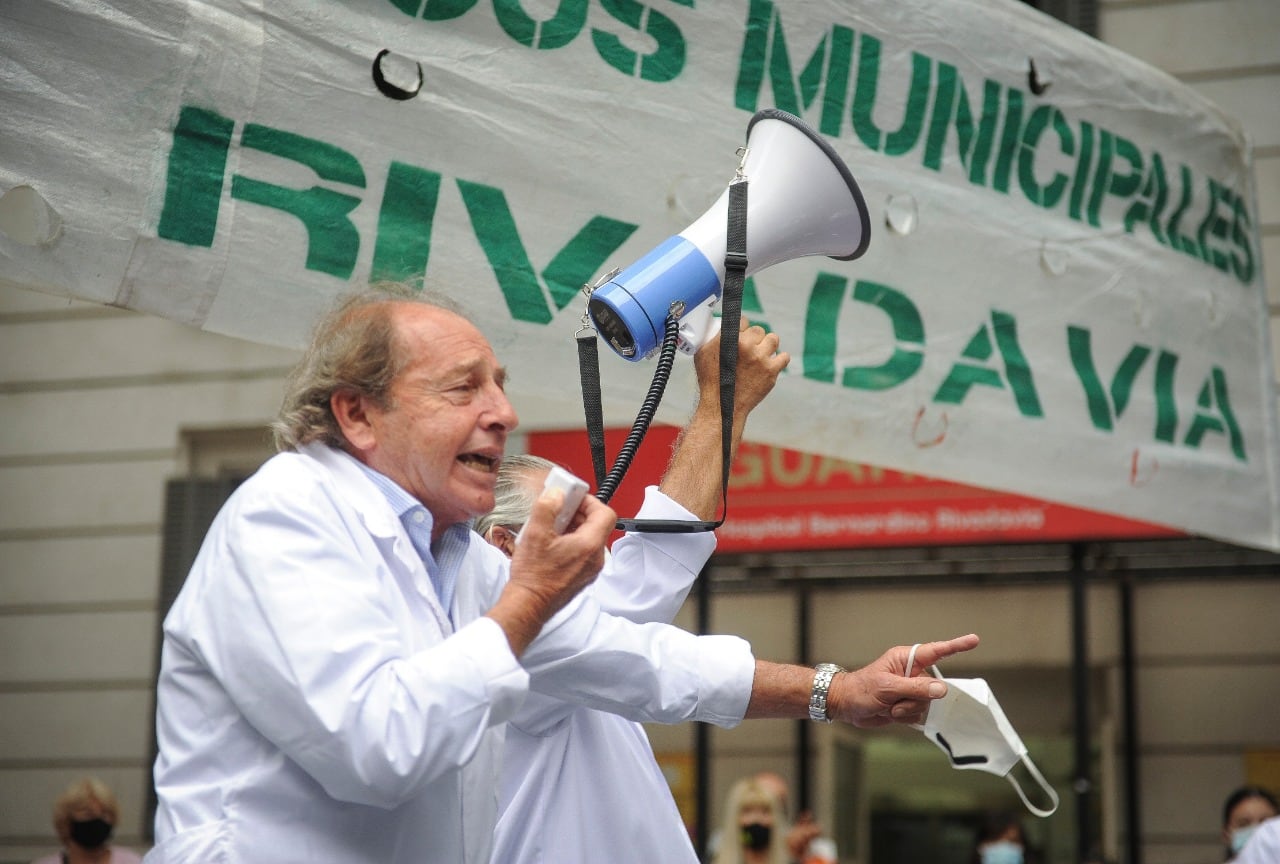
{"points": [[480, 462]]}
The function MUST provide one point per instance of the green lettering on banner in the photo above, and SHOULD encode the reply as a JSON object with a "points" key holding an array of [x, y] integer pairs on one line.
{"points": [[1103, 411], [1104, 164], [1009, 142], [1080, 182], [908, 328], [406, 214], [1017, 372], [1016, 367], [866, 93], [1179, 241], [434, 10], [751, 303], [1106, 180], [764, 47], [754, 56], [332, 239], [665, 64], [556, 32], [951, 109], [1214, 226], [963, 376], [1127, 183], [1242, 228], [198, 163], [583, 256], [495, 228], [1215, 415], [404, 223], [444, 10], [820, 319], [1166, 402], [193, 187], [1149, 203], [836, 93], [1040, 119], [821, 322]]}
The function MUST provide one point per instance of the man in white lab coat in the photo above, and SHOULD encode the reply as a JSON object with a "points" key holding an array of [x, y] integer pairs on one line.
{"points": [[338, 669]]}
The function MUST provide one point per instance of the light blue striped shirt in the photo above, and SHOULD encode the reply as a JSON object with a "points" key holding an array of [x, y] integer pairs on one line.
{"points": [[442, 563]]}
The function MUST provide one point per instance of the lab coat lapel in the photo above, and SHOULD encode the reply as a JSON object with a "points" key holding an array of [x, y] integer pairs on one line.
{"points": [[383, 526]]}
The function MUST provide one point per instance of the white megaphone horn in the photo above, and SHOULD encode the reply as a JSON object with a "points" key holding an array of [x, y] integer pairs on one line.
{"points": [[803, 201]]}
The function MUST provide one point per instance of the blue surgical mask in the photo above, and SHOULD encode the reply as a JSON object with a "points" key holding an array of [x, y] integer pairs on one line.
{"points": [[1239, 837], [1001, 852]]}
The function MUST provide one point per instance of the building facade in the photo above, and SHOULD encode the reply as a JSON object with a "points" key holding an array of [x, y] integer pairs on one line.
{"points": [[110, 418]]}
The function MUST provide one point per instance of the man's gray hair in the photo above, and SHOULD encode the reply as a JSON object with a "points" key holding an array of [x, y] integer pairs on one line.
{"points": [[513, 496], [353, 347]]}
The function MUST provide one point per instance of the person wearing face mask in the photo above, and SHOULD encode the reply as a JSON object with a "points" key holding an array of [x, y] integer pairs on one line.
{"points": [[1245, 809], [754, 829], [1000, 840], [84, 816]]}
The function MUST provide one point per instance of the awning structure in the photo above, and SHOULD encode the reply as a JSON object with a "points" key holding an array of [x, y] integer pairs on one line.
{"points": [[1123, 566]]}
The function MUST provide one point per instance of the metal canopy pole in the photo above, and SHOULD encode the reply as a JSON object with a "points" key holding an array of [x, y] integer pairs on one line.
{"points": [[1082, 784], [804, 779], [1129, 684]]}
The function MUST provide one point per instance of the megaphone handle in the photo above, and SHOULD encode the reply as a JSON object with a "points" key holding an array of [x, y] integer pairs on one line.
{"points": [[735, 273], [592, 404]]}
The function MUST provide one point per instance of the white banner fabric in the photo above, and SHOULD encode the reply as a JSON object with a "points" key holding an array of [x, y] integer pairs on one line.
{"points": [[1063, 294]]}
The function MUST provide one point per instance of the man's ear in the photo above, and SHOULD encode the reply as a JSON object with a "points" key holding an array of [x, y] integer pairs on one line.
{"points": [[350, 410], [502, 537]]}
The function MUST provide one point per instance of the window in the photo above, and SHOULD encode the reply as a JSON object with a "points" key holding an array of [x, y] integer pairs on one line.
{"points": [[1080, 14]]}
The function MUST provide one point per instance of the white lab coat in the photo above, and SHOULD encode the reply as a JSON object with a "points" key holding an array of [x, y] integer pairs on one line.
{"points": [[316, 705], [581, 786], [1264, 846]]}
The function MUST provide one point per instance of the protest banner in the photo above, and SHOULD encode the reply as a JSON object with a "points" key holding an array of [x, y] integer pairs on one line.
{"points": [[1062, 297]]}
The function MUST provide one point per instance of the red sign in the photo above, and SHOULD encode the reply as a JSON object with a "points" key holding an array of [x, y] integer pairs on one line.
{"points": [[783, 499]]}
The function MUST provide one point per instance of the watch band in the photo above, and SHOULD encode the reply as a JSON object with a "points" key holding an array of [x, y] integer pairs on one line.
{"points": [[822, 675]]}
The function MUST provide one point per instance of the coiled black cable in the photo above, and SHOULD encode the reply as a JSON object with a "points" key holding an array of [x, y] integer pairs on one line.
{"points": [[661, 375]]}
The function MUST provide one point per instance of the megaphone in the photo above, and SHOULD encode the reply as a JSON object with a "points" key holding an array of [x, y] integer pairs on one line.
{"points": [[803, 201]]}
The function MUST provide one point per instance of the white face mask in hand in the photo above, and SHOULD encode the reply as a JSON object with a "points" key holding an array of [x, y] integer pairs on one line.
{"points": [[969, 726]]}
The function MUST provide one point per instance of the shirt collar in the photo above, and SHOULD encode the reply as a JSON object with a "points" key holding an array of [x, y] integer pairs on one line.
{"points": [[401, 501], [444, 561], [403, 504]]}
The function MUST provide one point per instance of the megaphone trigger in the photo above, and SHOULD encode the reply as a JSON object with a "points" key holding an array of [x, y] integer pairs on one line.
{"points": [[697, 328]]}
